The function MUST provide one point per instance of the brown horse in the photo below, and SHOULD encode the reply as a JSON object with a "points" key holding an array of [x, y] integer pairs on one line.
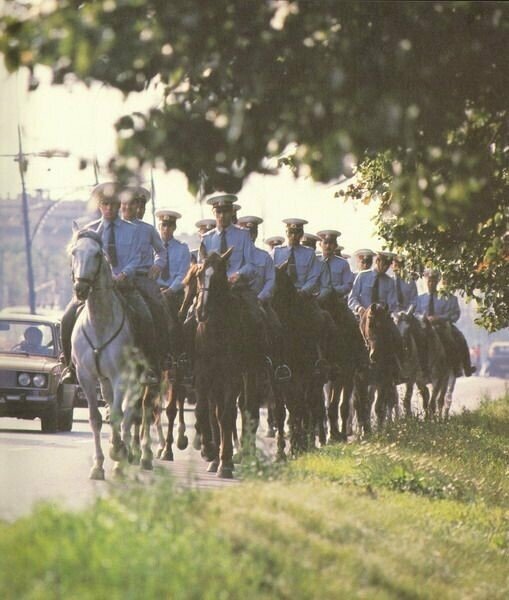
{"points": [[442, 365], [349, 368], [378, 331], [302, 394], [226, 358]]}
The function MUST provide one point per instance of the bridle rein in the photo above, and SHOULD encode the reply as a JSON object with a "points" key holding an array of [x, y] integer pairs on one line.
{"points": [[87, 233]]}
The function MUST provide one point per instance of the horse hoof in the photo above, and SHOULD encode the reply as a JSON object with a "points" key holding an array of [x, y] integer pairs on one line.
{"points": [[280, 456], [182, 442], [97, 473], [225, 473], [213, 466], [166, 454], [118, 453], [146, 464], [118, 472], [208, 453]]}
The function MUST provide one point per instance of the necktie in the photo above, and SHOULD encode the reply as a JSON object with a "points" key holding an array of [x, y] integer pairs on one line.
{"points": [[111, 248], [375, 292], [431, 306], [165, 273], [291, 267], [224, 245], [329, 271], [399, 292]]}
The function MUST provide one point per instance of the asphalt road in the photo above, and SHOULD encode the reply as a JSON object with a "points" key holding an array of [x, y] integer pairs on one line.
{"points": [[36, 467]]}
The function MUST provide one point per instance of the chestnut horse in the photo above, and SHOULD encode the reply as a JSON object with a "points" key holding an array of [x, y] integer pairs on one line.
{"points": [[377, 330]]}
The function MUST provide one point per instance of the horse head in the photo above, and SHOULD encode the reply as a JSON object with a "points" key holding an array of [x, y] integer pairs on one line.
{"points": [[86, 262], [375, 329], [211, 280]]}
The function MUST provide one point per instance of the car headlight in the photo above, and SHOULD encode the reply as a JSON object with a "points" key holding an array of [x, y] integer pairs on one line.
{"points": [[39, 380], [24, 379]]}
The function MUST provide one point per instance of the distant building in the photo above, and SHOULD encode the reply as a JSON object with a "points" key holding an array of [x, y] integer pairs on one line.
{"points": [[51, 229]]}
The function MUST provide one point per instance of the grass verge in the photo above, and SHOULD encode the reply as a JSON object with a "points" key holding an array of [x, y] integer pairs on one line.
{"points": [[420, 511]]}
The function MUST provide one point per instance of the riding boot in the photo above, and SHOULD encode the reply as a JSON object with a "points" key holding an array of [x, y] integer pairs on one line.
{"points": [[463, 351], [68, 320]]}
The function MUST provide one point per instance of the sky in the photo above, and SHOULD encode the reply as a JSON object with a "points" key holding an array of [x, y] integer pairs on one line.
{"points": [[80, 120]]}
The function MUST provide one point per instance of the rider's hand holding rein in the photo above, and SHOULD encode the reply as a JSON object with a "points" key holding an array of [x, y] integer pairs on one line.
{"points": [[154, 272]]}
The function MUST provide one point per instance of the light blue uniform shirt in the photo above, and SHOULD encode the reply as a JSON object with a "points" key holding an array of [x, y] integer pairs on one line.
{"points": [[307, 265], [264, 278], [336, 276], [408, 293], [446, 306], [152, 251], [179, 259], [241, 259], [362, 291], [127, 244]]}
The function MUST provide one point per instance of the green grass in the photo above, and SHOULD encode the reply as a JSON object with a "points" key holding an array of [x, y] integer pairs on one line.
{"points": [[420, 511]]}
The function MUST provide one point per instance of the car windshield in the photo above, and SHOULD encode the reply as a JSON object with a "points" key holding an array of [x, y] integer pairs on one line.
{"points": [[26, 337]]}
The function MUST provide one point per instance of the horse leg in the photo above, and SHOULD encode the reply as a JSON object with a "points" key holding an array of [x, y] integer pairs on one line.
{"points": [[182, 440], [451, 383], [279, 419], [171, 413], [147, 456], [203, 422], [345, 407], [320, 413], [215, 398], [361, 402], [225, 411], [332, 411], [118, 450], [135, 450], [407, 399], [89, 389]]}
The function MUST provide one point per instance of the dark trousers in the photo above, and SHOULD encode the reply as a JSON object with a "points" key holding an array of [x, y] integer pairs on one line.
{"points": [[151, 293], [462, 348], [142, 323]]}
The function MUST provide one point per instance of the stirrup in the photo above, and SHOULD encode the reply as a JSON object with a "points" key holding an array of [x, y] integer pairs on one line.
{"points": [[282, 373], [321, 366], [68, 376], [148, 377]]}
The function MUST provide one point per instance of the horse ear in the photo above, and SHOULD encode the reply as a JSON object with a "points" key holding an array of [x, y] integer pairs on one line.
{"points": [[226, 255], [75, 227], [203, 252], [372, 308]]}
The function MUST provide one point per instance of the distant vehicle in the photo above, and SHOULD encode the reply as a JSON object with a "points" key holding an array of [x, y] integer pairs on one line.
{"points": [[497, 364], [25, 310], [30, 372]]}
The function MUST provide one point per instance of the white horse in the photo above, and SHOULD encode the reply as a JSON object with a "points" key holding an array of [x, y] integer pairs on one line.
{"points": [[101, 338]]}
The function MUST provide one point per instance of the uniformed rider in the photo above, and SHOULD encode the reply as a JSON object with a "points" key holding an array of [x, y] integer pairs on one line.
{"points": [[304, 269], [262, 284], [374, 286], [240, 269], [122, 247], [336, 275], [152, 260], [443, 309]]}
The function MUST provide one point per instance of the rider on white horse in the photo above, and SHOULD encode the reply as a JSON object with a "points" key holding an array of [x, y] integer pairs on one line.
{"points": [[122, 246]]}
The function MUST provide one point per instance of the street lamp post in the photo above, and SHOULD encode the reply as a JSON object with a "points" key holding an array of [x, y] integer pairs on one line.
{"points": [[26, 227]]}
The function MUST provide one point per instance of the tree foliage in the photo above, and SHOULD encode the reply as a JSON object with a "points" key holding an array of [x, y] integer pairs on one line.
{"points": [[416, 93]]}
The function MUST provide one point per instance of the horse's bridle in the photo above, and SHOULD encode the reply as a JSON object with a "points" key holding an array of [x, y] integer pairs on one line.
{"points": [[93, 236]]}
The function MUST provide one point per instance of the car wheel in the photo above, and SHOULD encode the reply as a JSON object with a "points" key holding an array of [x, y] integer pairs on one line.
{"points": [[49, 420], [65, 419]]}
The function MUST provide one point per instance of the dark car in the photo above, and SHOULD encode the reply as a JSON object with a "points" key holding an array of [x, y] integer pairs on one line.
{"points": [[30, 372], [497, 364]]}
